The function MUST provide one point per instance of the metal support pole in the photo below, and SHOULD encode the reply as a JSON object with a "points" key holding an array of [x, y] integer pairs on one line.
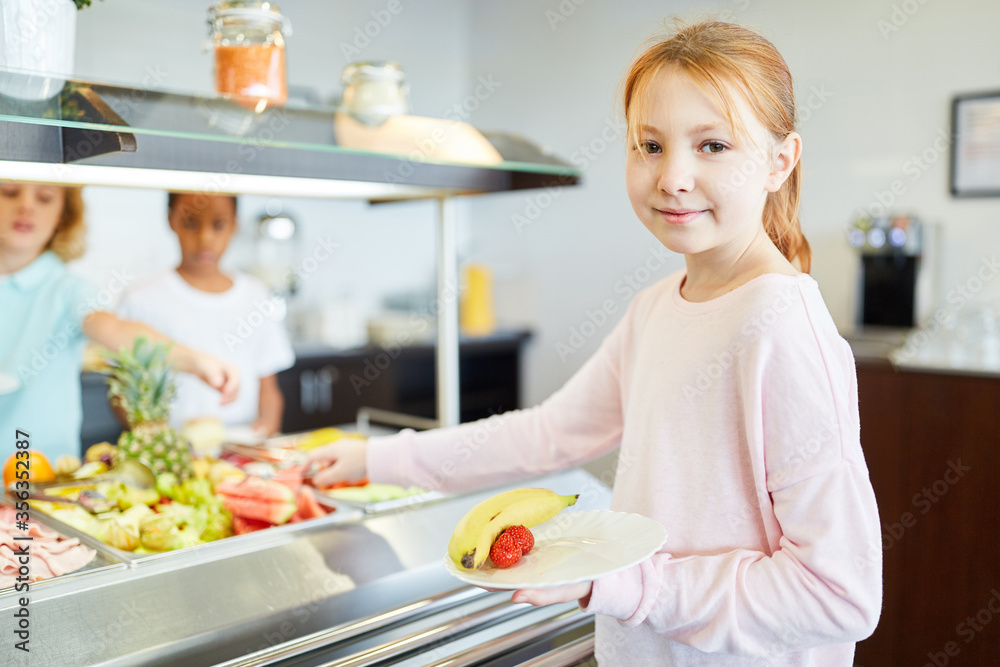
{"points": [[447, 315]]}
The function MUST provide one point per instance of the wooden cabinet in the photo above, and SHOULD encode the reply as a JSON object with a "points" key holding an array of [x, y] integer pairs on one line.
{"points": [[327, 387], [932, 443]]}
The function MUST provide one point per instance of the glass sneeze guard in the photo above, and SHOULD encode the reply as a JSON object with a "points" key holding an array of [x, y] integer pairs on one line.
{"points": [[107, 134]]}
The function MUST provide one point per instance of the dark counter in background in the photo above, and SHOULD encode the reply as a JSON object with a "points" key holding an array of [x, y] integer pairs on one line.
{"points": [[931, 438], [326, 386]]}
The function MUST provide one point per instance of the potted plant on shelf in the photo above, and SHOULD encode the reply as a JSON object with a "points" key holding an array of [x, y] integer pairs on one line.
{"points": [[37, 39]]}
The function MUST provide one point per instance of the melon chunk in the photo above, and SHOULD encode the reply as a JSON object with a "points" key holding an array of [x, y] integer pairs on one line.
{"points": [[308, 506], [257, 498], [242, 526], [256, 488], [261, 510]]}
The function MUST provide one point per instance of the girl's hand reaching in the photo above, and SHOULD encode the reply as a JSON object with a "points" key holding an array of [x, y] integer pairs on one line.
{"points": [[114, 333], [541, 597], [216, 373], [341, 461]]}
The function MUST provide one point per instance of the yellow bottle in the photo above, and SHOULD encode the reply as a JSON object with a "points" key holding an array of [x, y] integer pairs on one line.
{"points": [[476, 315]]}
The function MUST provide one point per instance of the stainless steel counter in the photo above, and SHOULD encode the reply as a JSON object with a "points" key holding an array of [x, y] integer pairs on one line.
{"points": [[371, 591]]}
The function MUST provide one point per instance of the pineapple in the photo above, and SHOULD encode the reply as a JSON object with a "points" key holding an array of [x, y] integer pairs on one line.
{"points": [[142, 384]]}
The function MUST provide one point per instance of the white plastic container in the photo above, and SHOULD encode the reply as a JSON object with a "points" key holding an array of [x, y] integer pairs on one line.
{"points": [[37, 40]]}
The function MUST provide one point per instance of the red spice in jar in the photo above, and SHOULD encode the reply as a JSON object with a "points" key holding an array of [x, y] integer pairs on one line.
{"points": [[252, 71]]}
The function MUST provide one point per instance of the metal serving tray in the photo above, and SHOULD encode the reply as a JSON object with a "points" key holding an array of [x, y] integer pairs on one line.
{"points": [[381, 507], [210, 550], [103, 561]]}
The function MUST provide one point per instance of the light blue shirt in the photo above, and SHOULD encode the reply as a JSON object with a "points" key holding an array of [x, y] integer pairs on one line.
{"points": [[42, 308]]}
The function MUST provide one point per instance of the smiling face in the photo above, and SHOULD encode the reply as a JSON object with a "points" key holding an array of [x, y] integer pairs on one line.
{"points": [[29, 215], [204, 225], [694, 183]]}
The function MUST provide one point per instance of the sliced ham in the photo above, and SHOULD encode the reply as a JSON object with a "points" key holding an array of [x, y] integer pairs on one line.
{"points": [[51, 554]]}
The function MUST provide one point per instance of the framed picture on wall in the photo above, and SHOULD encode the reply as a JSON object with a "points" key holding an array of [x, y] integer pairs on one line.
{"points": [[975, 146]]}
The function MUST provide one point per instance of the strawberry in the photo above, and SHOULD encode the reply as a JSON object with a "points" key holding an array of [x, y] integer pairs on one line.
{"points": [[523, 537], [506, 550]]}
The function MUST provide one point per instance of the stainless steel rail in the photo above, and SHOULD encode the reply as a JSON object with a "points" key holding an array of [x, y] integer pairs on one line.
{"points": [[565, 656], [515, 638], [346, 631], [368, 415], [454, 629]]}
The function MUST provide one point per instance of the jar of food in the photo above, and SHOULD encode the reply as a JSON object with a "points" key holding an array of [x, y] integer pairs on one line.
{"points": [[374, 91], [249, 41]]}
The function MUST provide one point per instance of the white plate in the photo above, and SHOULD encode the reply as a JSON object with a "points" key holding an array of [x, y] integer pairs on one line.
{"points": [[8, 383], [574, 547]]}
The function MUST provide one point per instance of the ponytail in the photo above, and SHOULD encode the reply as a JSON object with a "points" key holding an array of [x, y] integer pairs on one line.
{"points": [[781, 221]]}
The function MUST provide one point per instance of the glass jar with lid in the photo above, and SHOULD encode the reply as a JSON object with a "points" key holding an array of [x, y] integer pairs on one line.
{"points": [[249, 41], [374, 91]]}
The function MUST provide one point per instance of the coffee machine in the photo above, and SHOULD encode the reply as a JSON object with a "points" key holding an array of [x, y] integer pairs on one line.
{"points": [[891, 249]]}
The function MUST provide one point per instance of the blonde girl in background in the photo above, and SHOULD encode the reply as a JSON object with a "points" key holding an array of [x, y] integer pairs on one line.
{"points": [[726, 386], [48, 313]]}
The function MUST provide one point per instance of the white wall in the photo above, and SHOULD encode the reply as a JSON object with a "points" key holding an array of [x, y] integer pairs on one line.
{"points": [[877, 98]]}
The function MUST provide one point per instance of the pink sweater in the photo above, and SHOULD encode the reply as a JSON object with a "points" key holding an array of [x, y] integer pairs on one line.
{"points": [[737, 421]]}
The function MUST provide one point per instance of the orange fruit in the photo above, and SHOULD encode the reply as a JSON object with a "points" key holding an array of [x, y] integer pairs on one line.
{"points": [[39, 469]]}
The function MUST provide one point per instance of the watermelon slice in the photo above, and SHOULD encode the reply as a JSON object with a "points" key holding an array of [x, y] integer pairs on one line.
{"points": [[291, 477], [256, 488], [242, 526], [308, 506], [261, 510], [257, 498]]}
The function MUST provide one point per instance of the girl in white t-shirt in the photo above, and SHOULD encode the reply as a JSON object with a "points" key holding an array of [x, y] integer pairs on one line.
{"points": [[232, 316]]}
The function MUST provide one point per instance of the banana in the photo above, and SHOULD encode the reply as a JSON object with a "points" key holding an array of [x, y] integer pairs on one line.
{"points": [[470, 543]]}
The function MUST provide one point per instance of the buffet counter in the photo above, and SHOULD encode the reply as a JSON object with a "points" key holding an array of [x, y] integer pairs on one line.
{"points": [[361, 590]]}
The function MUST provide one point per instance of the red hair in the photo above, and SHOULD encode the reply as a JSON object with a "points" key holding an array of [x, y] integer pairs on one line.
{"points": [[723, 57]]}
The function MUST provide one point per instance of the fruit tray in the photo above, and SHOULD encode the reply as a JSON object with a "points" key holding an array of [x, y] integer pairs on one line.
{"points": [[233, 545], [274, 454]]}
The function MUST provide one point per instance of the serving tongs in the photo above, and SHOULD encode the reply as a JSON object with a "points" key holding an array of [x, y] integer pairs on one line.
{"points": [[89, 499], [277, 456], [130, 471]]}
